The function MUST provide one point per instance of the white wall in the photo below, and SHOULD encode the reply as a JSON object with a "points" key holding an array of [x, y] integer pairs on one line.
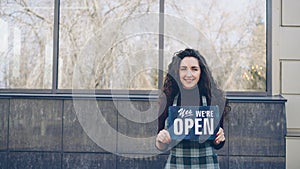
{"points": [[286, 70]]}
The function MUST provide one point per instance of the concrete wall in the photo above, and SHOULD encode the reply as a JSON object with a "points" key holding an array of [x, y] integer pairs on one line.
{"points": [[52, 133], [286, 70]]}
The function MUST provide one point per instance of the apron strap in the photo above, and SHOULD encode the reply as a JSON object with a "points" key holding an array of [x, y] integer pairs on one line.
{"points": [[175, 100], [204, 102]]}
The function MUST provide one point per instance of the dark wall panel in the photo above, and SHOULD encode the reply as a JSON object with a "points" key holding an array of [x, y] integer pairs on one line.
{"points": [[157, 162], [3, 160], [33, 160], [223, 161], [4, 110], [76, 136], [137, 127], [89, 161], [87, 133], [35, 124], [256, 162], [257, 129]]}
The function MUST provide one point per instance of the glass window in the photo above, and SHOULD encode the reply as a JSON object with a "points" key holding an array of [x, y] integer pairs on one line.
{"points": [[108, 44], [230, 34], [120, 44], [26, 48]]}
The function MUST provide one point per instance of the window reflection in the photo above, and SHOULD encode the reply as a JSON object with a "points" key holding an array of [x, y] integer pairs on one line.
{"points": [[231, 35], [99, 49], [232, 38], [26, 44]]}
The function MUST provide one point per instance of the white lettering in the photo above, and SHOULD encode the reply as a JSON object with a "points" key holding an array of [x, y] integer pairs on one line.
{"points": [[206, 126], [178, 126], [183, 126], [207, 113], [189, 123], [198, 126], [198, 114]]}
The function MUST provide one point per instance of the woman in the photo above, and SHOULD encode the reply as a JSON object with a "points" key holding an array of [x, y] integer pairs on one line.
{"points": [[187, 81]]}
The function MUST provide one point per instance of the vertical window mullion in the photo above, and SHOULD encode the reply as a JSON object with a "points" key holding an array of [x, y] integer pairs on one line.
{"points": [[55, 47], [161, 44], [269, 48]]}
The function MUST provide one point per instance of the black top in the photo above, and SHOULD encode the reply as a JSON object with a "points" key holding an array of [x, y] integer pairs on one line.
{"points": [[189, 97]]}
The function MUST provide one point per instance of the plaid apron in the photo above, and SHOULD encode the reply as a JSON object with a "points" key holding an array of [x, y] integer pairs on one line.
{"points": [[192, 155]]}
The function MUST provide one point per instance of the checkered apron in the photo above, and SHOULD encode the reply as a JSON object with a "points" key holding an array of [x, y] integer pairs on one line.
{"points": [[191, 154]]}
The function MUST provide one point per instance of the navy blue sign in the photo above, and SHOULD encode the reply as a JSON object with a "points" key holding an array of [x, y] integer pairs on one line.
{"points": [[193, 122]]}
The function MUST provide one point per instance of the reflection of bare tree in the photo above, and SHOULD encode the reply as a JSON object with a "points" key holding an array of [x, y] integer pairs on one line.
{"points": [[30, 33], [127, 62], [237, 34], [84, 21], [249, 50]]}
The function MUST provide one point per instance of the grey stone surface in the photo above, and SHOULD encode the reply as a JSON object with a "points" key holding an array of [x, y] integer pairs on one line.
{"points": [[86, 124], [4, 110], [32, 160], [3, 160], [35, 124], [255, 134], [223, 161], [257, 129], [78, 135], [256, 162], [137, 127], [89, 161], [155, 162], [137, 118]]}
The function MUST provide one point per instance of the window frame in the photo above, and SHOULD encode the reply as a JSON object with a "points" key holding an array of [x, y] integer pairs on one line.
{"points": [[106, 93]]}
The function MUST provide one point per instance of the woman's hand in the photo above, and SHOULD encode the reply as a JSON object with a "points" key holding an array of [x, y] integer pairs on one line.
{"points": [[220, 137], [163, 139]]}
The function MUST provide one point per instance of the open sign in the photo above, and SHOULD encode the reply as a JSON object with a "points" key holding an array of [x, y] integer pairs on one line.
{"points": [[193, 122]]}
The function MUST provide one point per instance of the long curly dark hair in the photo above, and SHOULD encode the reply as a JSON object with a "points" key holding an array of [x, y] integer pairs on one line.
{"points": [[206, 85]]}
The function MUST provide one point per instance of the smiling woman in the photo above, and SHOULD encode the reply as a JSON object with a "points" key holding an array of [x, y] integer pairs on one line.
{"points": [[189, 79]]}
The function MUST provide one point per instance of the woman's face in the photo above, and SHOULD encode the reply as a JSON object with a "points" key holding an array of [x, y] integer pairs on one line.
{"points": [[189, 72]]}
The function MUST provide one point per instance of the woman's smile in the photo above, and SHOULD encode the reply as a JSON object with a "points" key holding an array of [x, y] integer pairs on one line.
{"points": [[189, 80]]}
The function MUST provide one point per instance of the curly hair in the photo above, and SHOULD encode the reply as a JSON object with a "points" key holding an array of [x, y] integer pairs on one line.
{"points": [[206, 85]]}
